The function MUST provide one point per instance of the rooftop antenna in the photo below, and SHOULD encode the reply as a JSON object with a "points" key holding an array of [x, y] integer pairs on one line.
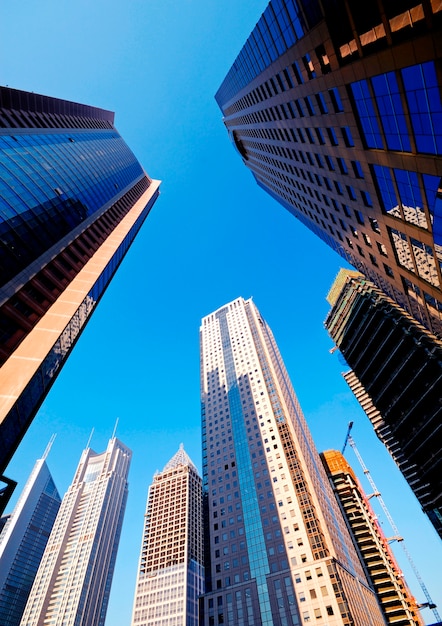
{"points": [[48, 447], [115, 428], [377, 494], [88, 445]]}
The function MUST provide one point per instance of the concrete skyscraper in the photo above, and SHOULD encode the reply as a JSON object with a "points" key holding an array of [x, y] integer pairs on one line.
{"points": [[335, 107], [396, 376], [23, 541], [72, 198], [73, 582], [397, 603], [171, 572], [278, 548]]}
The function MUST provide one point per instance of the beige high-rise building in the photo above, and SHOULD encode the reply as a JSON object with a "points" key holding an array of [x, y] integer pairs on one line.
{"points": [[279, 549], [73, 581], [171, 573]]}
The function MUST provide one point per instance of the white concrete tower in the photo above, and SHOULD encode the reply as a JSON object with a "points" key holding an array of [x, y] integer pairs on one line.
{"points": [[73, 581]]}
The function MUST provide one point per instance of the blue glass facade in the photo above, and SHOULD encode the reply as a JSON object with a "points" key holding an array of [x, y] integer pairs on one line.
{"points": [[67, 181], [423, 101], [281, 25], [23, 542], [51, 183], [343, 128], [257, 553]]}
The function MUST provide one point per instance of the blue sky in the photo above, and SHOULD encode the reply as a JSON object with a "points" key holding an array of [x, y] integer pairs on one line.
{"points": [[212, 236]]}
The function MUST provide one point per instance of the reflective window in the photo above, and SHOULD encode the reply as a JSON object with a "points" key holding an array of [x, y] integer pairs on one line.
{"points": [[385, 185], [425, 263], [402, 248], [424, 102], [434, 202], [336, 100], [321, 103], [348, 139], [411, 199], [332, 136], [367, 116], [309, 67], [366, 198], [357, 169], [297, 72], [391, 111], [309, 104]]}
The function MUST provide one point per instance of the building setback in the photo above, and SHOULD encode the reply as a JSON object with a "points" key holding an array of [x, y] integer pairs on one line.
{"points": [[171, 571], [397, 603], [73, 582], [72, 198], [278, 550], [23, 541], [336, 109], [396, 376]]}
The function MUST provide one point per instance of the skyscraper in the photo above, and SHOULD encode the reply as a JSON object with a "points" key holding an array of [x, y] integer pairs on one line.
{"points": [[336, 109], [23, 541], [397, 603], [278, 549], [396, 376], [73, 582], [72, 198], [171, 571]]}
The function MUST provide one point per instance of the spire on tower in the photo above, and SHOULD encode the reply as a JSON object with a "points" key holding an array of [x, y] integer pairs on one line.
{"points": [[180, 458]]}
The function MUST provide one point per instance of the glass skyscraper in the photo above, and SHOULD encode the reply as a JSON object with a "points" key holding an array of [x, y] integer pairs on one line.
{"points": [[278, 550], [73, 582], [23, 541], [171, 571], [336, 109], [72, 198]]}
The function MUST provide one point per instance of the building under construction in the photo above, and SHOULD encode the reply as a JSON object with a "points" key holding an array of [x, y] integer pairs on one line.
{"points": [[396, 601], [396, 376]]}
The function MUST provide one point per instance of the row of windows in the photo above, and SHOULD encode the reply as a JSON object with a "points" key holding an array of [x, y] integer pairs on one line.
{"points": [[280, 26], [10, 118], [310, 105]]}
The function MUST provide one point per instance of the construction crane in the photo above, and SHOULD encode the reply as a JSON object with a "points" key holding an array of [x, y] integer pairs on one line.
{"points": [[397, 537]]}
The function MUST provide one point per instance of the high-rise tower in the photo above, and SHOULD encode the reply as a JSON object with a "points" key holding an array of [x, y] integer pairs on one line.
{"points": [[73, 582], [278, 549], [171, 571], [397, 603], [396, 376], [23, 541], [72, 198], [335, 107]]}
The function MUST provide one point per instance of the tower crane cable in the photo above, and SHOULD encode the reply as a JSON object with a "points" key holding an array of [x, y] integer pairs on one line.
{"points": [[376, 493]]}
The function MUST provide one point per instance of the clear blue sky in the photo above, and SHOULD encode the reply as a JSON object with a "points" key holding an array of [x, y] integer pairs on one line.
{"points": [[212, 236]]}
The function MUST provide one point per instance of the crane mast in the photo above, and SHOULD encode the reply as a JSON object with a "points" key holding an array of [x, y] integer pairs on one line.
{"points": [[397, 537]]}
